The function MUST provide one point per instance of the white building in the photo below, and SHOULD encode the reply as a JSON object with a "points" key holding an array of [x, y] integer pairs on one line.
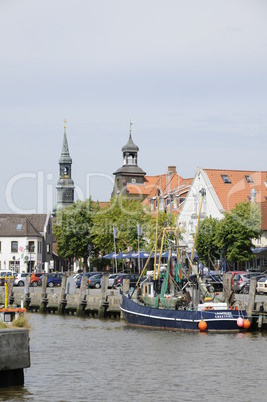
{"points": [[224, 189], [25, 242]]}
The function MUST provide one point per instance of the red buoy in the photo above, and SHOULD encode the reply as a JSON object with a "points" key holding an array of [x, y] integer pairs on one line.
{"points": [[202, 325], [246, 323]]}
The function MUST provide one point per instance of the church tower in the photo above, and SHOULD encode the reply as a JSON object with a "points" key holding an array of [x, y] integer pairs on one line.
{"points": [[65, 185], [129, 173]]}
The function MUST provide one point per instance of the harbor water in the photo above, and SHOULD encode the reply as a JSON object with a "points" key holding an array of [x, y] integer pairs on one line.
{"points": [[86, 359]]}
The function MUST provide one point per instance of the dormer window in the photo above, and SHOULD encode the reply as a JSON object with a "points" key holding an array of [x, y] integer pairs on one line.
{"points": [[249, 179], [225, 178]]}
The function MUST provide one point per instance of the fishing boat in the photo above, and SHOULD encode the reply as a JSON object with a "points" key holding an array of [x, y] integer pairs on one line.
{"points": [[172, 299]]}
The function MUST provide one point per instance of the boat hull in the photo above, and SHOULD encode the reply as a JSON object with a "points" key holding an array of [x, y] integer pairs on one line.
{"points": [[136, 314]]}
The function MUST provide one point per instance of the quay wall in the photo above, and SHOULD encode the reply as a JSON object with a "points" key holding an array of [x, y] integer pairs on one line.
{"points": [[14, 356], [105, 303], [67, 300]]}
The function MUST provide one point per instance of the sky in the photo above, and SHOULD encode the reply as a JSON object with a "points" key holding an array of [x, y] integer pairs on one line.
{"points": [[189, 74]]}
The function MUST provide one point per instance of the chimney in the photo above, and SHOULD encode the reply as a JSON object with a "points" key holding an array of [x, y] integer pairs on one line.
{"points": [[171, 170], [253, 193]]}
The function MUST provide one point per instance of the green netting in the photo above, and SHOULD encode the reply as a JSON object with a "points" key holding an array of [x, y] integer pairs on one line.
{"points": [[151, 301], [168, 303], [178, 273], [165, 282]]}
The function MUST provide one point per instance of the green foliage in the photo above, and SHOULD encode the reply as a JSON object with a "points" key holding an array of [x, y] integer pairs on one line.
{"points": [[124, 214], [206, 247], [73, 229], [235, 232]]}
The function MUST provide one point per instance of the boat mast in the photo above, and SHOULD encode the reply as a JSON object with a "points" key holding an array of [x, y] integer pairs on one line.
{"points": [[156, 240], [203, 193]]}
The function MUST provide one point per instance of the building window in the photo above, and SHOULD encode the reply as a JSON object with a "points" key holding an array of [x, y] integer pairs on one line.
{"points": [[14, 265], [31, 246], [161, 204], [181, 200], [225, 178], [152, 205], [14, 247], [0, 247], [39, 247], [19, 226], [249, 179], [48, 248]]}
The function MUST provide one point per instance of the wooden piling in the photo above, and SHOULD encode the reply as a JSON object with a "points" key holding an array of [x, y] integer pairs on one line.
{"points": [[44, 299], [251, 298], [82, 297], [62, 299], [103, 299]]}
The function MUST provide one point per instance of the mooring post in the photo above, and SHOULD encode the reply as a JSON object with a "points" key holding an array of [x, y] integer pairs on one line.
{"points": [[44, 299], [103, 299], [62, 299], [251, 298], [27, 297], [82, 296], [227, 288]]}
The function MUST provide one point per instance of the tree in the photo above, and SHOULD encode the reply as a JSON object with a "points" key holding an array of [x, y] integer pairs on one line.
{"points": [[206, 247], [123, 214], [73, 229], [236, 230]]}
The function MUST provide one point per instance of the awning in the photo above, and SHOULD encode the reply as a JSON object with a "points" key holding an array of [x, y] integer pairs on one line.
{"points": [[259, 250], [110, 255]]}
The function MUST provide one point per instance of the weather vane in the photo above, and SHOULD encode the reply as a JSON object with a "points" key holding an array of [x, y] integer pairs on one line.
{"points": [[65, 122], [131, 126]]}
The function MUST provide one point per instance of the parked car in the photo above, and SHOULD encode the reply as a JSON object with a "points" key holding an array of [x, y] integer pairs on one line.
{"points": [[262, 285], [241, 280], [35, 276], [118, 281], [94, 281], [53, 279], [233, 273], [20, 279], [111, 280], [4, 274], [79, 277]]}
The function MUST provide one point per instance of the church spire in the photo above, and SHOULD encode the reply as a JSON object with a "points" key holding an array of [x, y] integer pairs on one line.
{"points": [[65, 185], [65, 154]]}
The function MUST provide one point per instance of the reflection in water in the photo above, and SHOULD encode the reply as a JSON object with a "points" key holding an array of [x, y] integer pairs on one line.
{"points": [[76, 359]]}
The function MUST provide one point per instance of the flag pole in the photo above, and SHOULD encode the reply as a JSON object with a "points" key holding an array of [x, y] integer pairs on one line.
{"points": [[138, 248], [114, 237]]}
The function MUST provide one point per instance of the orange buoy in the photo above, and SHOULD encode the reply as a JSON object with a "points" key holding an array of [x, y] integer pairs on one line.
{"points": [[202, 325], [246, 323], [240, 322]]}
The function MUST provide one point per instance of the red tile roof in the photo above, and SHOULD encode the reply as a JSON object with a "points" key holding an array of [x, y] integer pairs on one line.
{"points": [[239, 188], [166, 183]]}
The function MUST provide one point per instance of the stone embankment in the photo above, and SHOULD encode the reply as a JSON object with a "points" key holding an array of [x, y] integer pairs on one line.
{"points": [[68, 299]]}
